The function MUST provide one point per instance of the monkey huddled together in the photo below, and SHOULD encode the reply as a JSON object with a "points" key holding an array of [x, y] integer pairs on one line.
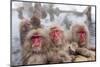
{"points": [[55, 44]]}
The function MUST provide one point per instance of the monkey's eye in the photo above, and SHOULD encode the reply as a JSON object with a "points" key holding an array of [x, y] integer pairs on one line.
{"points": [[56, 30], [55, 33]]}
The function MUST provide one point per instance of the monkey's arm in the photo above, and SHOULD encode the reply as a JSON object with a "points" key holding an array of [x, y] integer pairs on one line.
{"points": [[92, 48], [65, 57], [26, 52], [85, 52], [37, 59]]}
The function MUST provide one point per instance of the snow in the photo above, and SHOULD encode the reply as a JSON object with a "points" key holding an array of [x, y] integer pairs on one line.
{"points": [[16, 46]]}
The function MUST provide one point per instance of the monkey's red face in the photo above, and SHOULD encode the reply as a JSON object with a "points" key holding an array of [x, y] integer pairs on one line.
{"points": [[82, 35], [55, 34], [36, 40]]}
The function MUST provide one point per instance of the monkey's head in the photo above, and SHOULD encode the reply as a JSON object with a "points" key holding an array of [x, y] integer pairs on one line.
{"points": [[80, 33], [37, 5], [37, 40], [25, 25], [35, 21], [56, 35]]}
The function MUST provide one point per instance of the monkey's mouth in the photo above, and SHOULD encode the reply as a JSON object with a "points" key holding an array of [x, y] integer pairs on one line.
{"points": [[36, 41]]}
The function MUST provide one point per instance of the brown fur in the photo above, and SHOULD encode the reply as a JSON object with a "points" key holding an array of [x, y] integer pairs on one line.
{"points": [[58, 51], [25, 26], [82, 48], [32, 55], [39, 11], [75, 37], [35, 21]]}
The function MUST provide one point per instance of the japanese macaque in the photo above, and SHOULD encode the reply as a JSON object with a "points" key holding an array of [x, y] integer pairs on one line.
{"points": [[35, 22], [35, 47], [25, 26], [58, 51], [80, 37], [39, 11], [80, 34]]}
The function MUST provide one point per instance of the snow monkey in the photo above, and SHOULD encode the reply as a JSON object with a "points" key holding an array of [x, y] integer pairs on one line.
{"points": [[35, 47], [35, 22], [58, 51], [80, 36], [25, 26], [39, 11]]}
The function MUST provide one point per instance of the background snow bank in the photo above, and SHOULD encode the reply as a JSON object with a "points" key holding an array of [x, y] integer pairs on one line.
{"points": [[16, 47]]}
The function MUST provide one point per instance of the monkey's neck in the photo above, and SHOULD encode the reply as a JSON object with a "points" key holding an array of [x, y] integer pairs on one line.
{"points": [[56, 47], [36, 26], [61, 45], [38, 52]]}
